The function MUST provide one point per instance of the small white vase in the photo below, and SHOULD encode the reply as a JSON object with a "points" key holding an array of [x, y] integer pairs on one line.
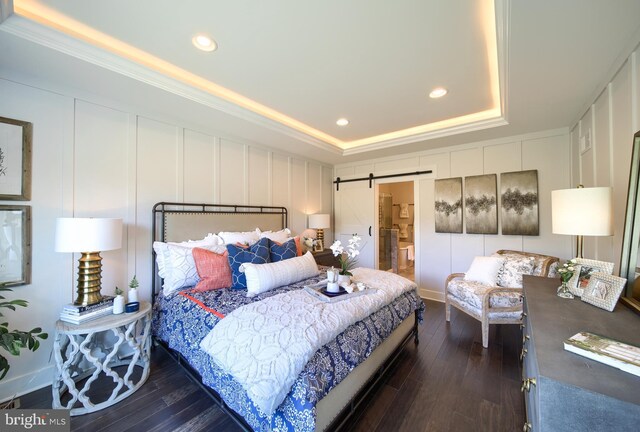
{"points": [[118, 305], [133, 295], [344, 280]]}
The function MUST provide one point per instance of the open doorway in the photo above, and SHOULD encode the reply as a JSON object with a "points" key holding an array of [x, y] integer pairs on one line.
{"points": [[396, 230]]}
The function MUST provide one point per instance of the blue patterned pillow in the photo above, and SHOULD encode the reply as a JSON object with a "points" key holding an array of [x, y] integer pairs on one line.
{"points": [[282, 251], [257, 253]]}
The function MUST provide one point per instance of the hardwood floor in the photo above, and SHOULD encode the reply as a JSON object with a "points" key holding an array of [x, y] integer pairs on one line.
{"points": [[446, 383]]}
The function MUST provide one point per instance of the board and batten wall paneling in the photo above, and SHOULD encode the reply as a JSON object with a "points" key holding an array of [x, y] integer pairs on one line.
{"points": [[232, 173], [327, 188], [259, 178], [199, 167], [52, 281], [101, 146], [501, 158], [158, 170], [280, 183], [602, 246], [550, 156], [314, 190], [433, 250], [298, 203], [615, 116], [464, 248]]}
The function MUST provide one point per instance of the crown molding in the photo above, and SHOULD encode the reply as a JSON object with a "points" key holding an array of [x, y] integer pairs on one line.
{"points": [[53, 39], [439, 133]]}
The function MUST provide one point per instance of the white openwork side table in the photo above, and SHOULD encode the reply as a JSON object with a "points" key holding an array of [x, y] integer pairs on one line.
{"points": [[84, 350]]}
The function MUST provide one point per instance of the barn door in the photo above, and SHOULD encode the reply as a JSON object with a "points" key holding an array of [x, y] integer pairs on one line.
{"points": [[354, 210]]}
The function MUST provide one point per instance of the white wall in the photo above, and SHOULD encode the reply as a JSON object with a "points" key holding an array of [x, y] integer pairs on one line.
{"points": [[94, 160], [610, 122], [439, 254]]}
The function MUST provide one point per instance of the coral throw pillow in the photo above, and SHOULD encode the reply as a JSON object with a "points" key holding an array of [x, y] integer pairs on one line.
{"points": [[213, 269]]}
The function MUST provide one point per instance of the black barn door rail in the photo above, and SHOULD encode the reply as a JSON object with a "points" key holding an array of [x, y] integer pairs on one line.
{"points": [[371, 178]]}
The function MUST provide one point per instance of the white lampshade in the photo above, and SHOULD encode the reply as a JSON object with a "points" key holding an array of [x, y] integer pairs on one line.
{"points": [[88, 234], [582, 211], [320, 220]]}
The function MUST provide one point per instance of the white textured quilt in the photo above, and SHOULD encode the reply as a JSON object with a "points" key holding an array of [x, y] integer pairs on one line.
{"points": [[265, 345]]}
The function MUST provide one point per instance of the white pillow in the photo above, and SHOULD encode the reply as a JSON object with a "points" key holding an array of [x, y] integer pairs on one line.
{"points": [[162, 251], [484, 270], [246, 237], [178, 269], [277, 236], [263, 277]]}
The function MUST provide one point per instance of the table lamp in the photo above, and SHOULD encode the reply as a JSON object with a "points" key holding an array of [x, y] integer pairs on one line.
{"points": [[582, 212], [90, 236], [318, 222]]}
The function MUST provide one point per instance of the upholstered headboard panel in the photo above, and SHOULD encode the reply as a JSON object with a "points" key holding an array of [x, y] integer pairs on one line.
{"points": [[194, 226]]}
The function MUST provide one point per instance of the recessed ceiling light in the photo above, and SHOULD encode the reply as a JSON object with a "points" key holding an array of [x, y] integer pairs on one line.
{"points": [[438, 92], [204, 42], [342, 122]]}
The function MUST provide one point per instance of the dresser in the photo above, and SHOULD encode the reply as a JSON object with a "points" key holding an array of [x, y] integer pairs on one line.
{"points": [[562, 390]]}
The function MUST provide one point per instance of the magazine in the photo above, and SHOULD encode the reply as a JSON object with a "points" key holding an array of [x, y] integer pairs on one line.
{"points": [[608, 351]]}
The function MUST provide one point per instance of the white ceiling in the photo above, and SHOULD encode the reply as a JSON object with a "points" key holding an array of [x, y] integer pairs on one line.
{"points": [[286, 70]]}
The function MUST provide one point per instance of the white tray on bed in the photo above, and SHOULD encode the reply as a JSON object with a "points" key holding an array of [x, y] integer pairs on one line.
{"points": [[316, 291]]}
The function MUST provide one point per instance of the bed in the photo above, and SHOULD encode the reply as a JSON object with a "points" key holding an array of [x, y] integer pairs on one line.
{"points": [[332, 383]]}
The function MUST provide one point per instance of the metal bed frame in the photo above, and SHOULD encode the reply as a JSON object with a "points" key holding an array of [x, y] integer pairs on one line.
{"points": [[160, 210]]}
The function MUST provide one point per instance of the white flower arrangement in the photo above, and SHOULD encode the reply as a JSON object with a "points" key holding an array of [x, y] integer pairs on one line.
{"points": [[347, 258], [567, 270]]}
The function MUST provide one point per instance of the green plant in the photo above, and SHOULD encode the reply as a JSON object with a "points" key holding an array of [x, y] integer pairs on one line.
{"points": [[119, 291], [567, 270], [15, 340], [134, 283]]}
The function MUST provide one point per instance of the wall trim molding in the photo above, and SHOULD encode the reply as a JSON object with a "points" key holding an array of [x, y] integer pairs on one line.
{"points": [[431, 295]]}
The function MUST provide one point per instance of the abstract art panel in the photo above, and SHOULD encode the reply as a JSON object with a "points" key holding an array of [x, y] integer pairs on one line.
{"points": [[480, 198], [519, 194], [448, 205]]}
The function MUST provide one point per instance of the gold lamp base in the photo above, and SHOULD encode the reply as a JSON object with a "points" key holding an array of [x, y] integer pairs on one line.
{"points": [[320, 236], [89, 279]]}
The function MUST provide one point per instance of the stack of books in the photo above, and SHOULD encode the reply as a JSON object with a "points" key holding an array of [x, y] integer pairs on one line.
{"points": [[80, 314]]}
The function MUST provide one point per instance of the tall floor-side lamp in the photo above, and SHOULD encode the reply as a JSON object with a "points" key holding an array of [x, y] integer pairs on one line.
{"points": [[319, 222], [90, 236], [582, 212]]}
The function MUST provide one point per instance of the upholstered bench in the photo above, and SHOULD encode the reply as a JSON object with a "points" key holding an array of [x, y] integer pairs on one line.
{"points": [[494, 296]]}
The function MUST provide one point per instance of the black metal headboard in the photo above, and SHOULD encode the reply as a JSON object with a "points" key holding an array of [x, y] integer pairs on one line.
{"points": [[189, 221]]}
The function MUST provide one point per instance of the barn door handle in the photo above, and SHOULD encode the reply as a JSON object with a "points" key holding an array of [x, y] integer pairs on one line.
{"points": [[369, 230]]}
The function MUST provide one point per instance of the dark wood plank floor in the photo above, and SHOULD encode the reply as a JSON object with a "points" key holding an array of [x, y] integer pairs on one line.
{"points": [[446, 383]]}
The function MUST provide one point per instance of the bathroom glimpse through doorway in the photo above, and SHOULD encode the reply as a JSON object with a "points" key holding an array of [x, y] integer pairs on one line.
{"points": [[396, 229]]}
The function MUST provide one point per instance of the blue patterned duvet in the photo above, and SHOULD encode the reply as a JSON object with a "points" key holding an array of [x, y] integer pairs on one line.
{"points": [[183, 319]]}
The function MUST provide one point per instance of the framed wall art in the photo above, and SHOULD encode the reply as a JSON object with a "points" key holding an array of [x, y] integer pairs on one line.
{"points": [[603, 290], [584, 269], [480, 209], [448, 205], [519, 203], [15, 159], [15, 245]]}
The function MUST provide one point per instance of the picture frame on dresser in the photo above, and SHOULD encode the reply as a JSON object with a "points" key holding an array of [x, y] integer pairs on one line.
{"points": [[603, 290], [318, 246], [584, 269]]}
